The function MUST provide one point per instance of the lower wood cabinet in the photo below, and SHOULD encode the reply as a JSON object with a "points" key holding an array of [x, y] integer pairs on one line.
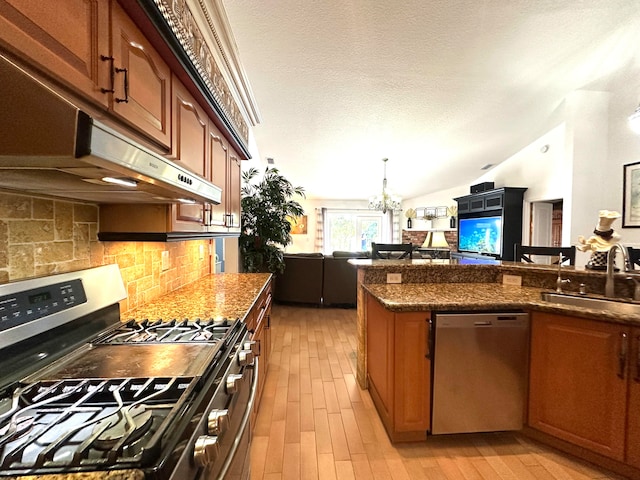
{"points": [[259, 321], [633, 412], [585, 384], [399, 370]]}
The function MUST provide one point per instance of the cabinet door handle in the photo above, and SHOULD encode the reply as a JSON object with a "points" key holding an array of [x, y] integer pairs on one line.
{"points": [[622, 357], [428, 337], [126, 85], [637, 377], [108, 58]]}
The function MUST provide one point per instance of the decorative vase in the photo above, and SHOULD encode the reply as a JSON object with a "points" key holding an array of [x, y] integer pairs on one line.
{"points": [[408, 223], [452, 222]]}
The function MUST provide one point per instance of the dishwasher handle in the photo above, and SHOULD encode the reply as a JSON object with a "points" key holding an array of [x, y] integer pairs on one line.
{"points": [[487, 323]]}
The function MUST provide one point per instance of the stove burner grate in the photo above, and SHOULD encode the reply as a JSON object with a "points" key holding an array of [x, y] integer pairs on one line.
{"points": [[173, 331], [89, 422]]}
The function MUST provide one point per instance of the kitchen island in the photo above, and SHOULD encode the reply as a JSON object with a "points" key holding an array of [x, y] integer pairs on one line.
{"points": [[584, 380]]}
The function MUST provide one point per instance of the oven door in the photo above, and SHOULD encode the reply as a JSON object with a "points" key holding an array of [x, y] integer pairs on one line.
{"points": [[236, 464]]}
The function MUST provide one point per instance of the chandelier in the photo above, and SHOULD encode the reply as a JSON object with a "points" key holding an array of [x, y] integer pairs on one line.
{"points": [[385, 201]]}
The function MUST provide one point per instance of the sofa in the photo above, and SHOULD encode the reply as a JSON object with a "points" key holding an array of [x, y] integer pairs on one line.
{"points": [[301, 281], [339, 285], [317, 279]]}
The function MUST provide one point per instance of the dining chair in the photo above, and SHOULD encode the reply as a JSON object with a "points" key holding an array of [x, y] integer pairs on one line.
{"points": [[525, 252], [634, 257], [391, 251]]}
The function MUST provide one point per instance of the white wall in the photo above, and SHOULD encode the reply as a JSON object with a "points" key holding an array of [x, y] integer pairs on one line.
{"points": [[305, 243], [589, 143], [588, 146]]}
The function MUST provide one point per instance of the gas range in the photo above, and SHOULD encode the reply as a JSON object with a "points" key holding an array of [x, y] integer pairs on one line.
{"points": [[84, 392]]}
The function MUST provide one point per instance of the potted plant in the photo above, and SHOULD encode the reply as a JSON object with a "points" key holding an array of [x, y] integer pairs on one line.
{"points": [[265, 229]]}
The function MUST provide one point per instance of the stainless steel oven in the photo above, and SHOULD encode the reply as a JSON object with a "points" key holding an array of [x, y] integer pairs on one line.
{"points": [[82, 392]]}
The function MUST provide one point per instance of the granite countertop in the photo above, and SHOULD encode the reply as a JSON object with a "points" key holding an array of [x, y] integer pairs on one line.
{"points": [[226, 295], [408, 297]]}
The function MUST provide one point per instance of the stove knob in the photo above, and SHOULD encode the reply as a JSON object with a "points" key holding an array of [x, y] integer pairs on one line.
{"points": [[253, 346], [218, 422], [206, 450], [233, 383], [245, 357]]}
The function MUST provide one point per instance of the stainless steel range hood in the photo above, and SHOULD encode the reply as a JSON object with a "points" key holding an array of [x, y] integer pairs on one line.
{"points": [[50, 146]]}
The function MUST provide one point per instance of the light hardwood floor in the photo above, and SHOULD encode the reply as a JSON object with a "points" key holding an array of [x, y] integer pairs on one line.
{"points": [[316, 423]]}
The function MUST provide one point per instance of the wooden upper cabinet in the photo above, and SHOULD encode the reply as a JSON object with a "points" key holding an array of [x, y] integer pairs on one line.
{"points": [[189, 132], [142, 80], [577, 389], [189, 148], [219, 158], [64, 38], [233, 191]]}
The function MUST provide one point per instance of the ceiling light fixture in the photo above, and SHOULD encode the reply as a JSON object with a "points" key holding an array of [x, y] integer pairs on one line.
{"points": [[125, 182], [634, 120], [385, 201]]}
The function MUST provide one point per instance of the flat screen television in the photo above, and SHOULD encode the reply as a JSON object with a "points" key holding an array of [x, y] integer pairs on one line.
{"points": [[480, 235]]}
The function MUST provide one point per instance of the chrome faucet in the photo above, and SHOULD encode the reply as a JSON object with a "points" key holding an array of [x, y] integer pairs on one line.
{"points": [[560, 281], [609, 287]]}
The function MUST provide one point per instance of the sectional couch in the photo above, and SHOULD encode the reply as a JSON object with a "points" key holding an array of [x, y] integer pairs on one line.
{"points": [[317, 279]]}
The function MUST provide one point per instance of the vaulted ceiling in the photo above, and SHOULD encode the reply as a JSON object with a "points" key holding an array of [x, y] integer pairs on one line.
{"points": [[440, 87]]}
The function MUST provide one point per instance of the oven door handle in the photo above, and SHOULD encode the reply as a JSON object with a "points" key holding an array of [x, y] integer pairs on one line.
{"points": [[245, 420]]}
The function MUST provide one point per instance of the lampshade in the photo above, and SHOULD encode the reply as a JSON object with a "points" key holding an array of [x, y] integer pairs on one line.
{"points": [[634, 120], [435, 240]]}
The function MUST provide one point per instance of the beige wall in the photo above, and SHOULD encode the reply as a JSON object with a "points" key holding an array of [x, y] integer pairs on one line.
{"points": [[42, 237]]}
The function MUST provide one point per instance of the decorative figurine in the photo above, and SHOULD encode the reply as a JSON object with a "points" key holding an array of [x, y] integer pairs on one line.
{"points": [[601, 241]]}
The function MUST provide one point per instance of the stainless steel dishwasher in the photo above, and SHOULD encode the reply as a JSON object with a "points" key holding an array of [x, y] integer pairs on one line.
{"points": [[480, 365]]}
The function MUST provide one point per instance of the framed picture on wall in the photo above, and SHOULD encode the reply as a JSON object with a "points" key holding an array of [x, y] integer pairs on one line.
{"points": [[631, 196], [298, 225], [441, 212]]}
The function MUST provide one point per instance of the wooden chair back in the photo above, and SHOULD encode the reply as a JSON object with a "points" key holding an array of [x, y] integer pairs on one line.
{"points": [[386, 251], [524, 253]]}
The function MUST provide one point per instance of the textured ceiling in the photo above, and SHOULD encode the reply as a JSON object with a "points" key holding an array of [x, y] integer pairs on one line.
{"points": [[440, 87]]}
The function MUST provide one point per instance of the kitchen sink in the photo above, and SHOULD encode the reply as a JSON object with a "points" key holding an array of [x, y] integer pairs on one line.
{"points": [[609, 305]]}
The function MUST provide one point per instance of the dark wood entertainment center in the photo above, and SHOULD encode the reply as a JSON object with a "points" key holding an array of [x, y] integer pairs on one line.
{"points": [[506, 202]]}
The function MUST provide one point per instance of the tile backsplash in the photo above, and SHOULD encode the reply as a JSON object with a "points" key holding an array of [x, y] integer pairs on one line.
{"points": [[42, 237]]}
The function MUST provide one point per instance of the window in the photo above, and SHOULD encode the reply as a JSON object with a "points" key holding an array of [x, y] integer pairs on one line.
{"points": [[354, 230]]}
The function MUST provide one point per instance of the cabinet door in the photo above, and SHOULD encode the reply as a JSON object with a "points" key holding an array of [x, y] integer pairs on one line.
{"points": [[464, 205], [633, 414], [412, 411], [141, 80], [65, 38], [219, 157], [493, 201], [380, 357], [189, 149], [576, 391], [476, 204], [233, 192]]}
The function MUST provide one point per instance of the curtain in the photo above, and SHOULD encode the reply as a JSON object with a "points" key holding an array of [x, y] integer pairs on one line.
{"points": [[319, 240], [396, 228]]}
